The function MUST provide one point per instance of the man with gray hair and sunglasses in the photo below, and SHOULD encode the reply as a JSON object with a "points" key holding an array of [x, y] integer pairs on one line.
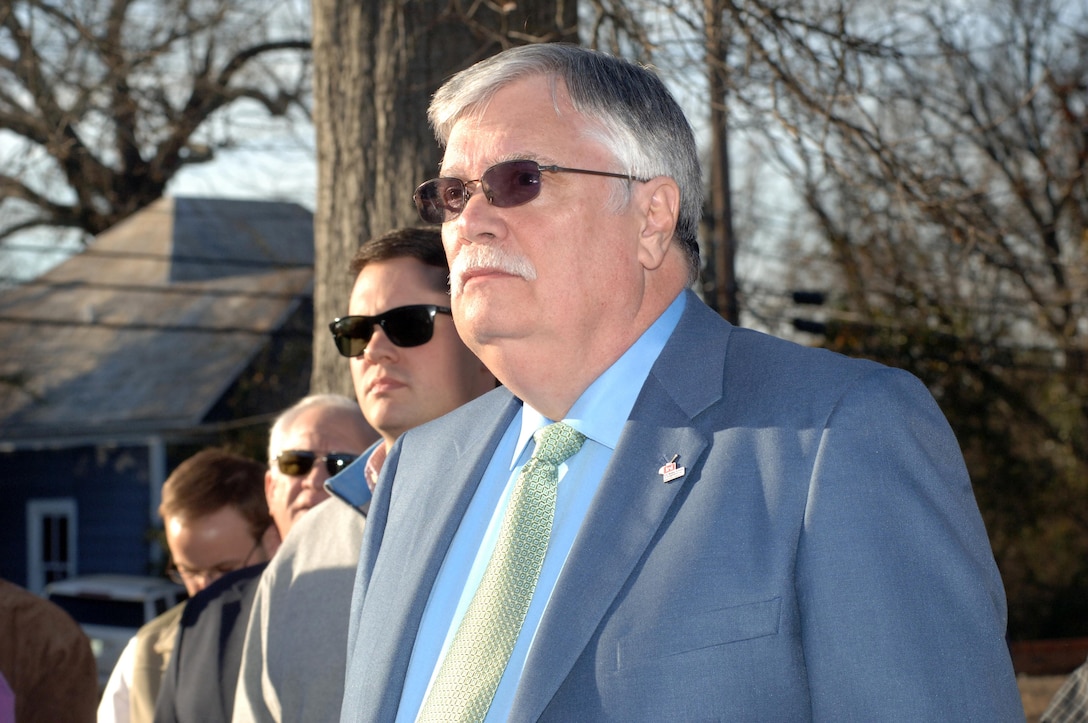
{"points": [[408, 366], [660, 516], [309, 443]]}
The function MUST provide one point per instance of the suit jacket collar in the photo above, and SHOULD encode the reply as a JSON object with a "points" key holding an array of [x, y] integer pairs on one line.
{"points": [[350, 485], [622, 521], [444, 504], [632, 500]]}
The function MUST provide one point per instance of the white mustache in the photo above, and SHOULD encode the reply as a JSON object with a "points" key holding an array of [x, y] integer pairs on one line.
{"points": [[474, 257]]}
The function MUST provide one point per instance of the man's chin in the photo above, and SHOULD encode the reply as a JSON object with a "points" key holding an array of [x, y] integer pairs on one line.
{"points": [[299, 510]]}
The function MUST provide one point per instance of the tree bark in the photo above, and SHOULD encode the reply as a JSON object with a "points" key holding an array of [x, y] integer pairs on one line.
{"points": [[376, 65]]}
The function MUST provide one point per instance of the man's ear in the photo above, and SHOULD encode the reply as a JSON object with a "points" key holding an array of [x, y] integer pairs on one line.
{"points": [[268, 484], [271, 540], [660, 201]]}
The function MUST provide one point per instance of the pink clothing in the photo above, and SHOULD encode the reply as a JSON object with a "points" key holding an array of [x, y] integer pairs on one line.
{"points": [[374, 466], [7, 702]]}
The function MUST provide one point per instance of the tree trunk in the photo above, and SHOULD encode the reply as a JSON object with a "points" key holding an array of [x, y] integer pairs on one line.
{"points": [[722, 241], [376, 65]]}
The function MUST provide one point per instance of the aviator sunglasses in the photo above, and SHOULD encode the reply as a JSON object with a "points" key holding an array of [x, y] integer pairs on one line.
{"points": [[299, 462], [507, 184], [404, 326]]}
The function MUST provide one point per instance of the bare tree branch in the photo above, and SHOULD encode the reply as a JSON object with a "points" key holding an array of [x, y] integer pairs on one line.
{"points": [[117, 97]]}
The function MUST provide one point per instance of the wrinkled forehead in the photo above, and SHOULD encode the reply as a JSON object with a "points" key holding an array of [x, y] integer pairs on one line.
{"points": [[549, 86], [526, 119], [472, 99]]}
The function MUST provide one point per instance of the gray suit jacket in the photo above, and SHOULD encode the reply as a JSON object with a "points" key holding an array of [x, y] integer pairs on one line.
{"points": [[822, 558]]}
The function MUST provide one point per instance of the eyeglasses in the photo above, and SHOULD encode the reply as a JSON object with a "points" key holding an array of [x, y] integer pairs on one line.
{"points": [[299, 462], [207, 577], [507, 184], [405, 326]]}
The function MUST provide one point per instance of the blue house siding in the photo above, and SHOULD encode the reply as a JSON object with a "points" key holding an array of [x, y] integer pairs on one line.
{"points": [[114, 514], [110, 488], [194, 323]]}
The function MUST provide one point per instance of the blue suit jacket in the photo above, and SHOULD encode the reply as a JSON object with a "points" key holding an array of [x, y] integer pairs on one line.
{"points": [[822, 558]]}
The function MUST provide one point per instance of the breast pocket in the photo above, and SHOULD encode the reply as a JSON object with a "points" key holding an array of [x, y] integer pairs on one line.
{"points": [[699, 630]]}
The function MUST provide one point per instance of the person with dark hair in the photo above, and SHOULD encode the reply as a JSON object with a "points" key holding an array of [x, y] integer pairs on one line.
{"points": [[216, 520], [417, 368], [46, 663], [408, 366], [309, 443], [213, 520], [659, 516]]}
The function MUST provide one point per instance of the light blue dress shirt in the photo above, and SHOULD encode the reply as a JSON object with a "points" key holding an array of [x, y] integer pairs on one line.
{"points": [[600, 414]]}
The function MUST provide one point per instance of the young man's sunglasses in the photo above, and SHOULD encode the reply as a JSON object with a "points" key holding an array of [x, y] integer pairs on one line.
{"points": [[299, 462], [404, 326], [505, 185]]}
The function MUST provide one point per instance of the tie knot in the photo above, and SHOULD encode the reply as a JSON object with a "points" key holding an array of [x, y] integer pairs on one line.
{"points": [[557, 442]]}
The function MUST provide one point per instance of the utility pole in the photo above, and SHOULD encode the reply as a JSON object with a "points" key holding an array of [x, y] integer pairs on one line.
{"points": [[721, 207]]}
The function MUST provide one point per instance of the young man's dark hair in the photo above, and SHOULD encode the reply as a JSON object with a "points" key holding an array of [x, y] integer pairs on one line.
{"points": [[423, 244], [212, 479]]}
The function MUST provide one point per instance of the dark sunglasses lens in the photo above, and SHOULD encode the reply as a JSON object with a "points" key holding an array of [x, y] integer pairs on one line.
{"points": [[512, 183], [296, 464], [508, 184], [351, 334], [406, 326], [409, 326], [347, 346], [335, 463], [440, 199]]}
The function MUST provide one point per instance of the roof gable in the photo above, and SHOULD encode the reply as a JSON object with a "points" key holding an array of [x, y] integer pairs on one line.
{"points": [[147, 328], [258, 236]]}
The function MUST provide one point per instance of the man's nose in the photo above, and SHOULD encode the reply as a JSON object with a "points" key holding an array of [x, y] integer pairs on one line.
{"points": [[315, 479], [379, 346], [480, 220]]}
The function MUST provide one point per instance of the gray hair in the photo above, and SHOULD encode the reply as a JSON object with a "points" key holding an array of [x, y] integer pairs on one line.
{"points": [[638, 119], [287, 417]]}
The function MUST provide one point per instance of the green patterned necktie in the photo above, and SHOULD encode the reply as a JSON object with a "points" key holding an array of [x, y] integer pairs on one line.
{"points": [[470, 674]]}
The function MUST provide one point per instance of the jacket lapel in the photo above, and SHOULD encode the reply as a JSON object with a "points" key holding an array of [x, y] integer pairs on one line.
{"points": [[451, 481], [632, 501], [446, 499]]}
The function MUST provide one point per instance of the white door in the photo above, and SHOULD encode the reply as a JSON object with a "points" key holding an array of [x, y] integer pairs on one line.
{"points": [[50, 541]]}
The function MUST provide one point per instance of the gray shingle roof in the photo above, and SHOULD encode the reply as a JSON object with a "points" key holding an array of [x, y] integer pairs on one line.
{"points": [[145, 330]]}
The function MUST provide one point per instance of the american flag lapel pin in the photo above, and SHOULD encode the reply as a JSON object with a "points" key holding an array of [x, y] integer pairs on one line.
{"points": [[669, 471]]}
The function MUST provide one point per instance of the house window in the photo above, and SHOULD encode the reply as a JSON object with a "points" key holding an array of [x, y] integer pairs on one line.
{"points": [[51, 541]]}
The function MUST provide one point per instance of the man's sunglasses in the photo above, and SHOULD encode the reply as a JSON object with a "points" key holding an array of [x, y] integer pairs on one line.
{"points": [[299, 462], [505, 185], [404, 326]]}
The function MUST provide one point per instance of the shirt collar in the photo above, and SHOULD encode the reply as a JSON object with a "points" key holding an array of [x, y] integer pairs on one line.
{"points": [[603, 408], [374, 465], [351, 484]]}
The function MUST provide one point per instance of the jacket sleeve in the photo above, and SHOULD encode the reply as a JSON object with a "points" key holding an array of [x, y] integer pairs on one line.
{"points": [[902, 608], [253, 700]]}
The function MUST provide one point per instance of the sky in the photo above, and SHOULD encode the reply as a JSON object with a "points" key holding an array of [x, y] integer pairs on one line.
{"points": [[278, 163], [284, 173], [279, 166]]}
